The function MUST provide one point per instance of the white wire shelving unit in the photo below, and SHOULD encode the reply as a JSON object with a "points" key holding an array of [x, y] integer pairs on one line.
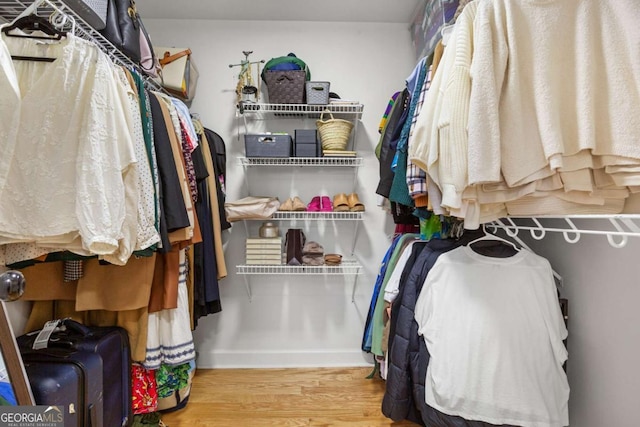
{"points": [[253, 108], [351, 111], [301, 161], [70, 21], [316, 216], [348, 267], [617, 229], [302, 216]]}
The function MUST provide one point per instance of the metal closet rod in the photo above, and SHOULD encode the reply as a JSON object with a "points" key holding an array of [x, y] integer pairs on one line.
{"points": [[10, 10], [624, 226]]}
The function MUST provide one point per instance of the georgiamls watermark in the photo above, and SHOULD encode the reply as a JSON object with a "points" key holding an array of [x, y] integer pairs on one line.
{"points": [[31, 416]]}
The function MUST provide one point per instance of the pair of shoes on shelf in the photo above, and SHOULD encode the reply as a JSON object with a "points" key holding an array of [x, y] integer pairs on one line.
{"points": [[320, 204], [350, 203], [293, 204], [333, 259]]}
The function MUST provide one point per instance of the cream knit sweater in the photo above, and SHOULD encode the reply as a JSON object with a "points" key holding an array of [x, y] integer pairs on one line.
{"points": [[553, 95], [444, 117], [504, 127], [454, 115]]}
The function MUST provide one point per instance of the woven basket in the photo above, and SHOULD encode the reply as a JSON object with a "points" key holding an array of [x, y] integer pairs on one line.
{"points": [[285, 86], [334, 133]]}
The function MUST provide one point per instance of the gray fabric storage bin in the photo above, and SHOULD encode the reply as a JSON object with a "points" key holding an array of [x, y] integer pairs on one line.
{"points": [[268, 145], [317, 93], [307, 150], [306, 143], [94, 12], [306, 136]]}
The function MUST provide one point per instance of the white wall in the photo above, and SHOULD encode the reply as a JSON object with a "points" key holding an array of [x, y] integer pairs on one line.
{"points": [[603, 288], [295, 320]]}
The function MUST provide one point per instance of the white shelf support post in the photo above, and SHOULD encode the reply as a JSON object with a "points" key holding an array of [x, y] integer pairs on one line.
{"points": [[356, 121], [355, 181], [246, 178], [353, 291], [355, 238], [248, 286]]}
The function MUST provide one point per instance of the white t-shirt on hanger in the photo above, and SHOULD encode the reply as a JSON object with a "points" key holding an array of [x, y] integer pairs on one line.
{"points": [[494, 329]]}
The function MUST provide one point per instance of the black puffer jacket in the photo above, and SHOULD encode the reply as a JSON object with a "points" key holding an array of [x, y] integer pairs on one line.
{"points": [[403, 378]]}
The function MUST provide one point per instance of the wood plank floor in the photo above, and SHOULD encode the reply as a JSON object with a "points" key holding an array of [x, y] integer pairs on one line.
{"points": [[318, 397]]}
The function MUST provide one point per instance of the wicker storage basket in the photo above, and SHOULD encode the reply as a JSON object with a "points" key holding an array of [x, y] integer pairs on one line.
{"points": [[334, 133]]}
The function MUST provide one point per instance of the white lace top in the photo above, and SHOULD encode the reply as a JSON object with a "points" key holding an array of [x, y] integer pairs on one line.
{"points": [[66, 145]]}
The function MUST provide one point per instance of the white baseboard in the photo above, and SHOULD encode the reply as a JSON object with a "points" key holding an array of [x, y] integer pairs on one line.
{"points": [[282, 359]]}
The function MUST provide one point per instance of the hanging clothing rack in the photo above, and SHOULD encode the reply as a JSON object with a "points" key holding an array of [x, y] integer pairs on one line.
{"points": [[72, 22], [617, 228]]}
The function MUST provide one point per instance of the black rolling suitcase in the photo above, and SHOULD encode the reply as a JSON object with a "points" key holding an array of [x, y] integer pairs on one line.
{"points": [[112, 344], [67, 378]]}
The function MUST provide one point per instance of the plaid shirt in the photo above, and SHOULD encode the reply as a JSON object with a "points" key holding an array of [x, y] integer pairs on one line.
{"points": [[416, 177]]}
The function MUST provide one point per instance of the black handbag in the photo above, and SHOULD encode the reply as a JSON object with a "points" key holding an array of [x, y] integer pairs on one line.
{"points": [[294, 242], [123, 28]]}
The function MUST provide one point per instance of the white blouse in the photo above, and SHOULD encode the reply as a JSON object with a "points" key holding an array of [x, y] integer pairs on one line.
{"points": [[145, 217], [66, 145]]}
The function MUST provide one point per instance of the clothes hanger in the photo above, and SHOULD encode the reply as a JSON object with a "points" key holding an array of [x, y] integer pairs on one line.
{"points": [[493, 237], [31, 23], [446, 32], [447, 29], [33, 26]]}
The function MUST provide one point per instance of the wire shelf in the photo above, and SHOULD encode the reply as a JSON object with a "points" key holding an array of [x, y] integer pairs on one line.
{"points": [[301, 161], [10, 9], [616, 228], [317, 216], [348, 267], [301, 109]]}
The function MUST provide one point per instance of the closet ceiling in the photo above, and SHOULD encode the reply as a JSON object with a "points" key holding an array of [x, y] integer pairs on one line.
{"points": [[392, 11]]}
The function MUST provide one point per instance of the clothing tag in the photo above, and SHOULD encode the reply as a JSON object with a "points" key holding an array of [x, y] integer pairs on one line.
{"points": [[42, 340]]}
